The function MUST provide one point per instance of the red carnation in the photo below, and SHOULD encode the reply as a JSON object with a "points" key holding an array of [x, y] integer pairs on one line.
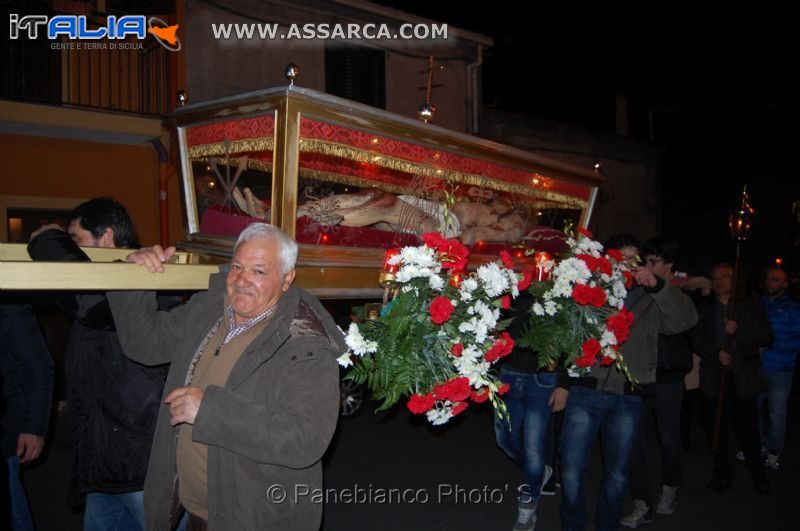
{"points": [[459, 407], [420, 404], [596, 264], [604, 266], [585, 232], [591, 347], [433, 239], [456, 350], [507, 260], [505, 337], [441, 391], [620, 324], [502, 347], [452, 253], [605, 361], [589, 260], [628, 279], [585, 361], [588, 295], [480, 397], [503, 389], [456, 390], [616, 254], [440, 309], [527, 278], [459, 389], [505, 302]]}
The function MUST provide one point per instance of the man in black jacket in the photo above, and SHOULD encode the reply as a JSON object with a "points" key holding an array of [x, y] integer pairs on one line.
{"points": [[113, 402], [744, 377], [673, 362], [26, 380]]}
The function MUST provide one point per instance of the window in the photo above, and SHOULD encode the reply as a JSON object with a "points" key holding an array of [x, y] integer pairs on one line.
{"points": [[356, 73]]}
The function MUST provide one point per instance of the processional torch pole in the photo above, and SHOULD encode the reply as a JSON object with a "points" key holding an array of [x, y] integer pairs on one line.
{"points": [[739, 222]]}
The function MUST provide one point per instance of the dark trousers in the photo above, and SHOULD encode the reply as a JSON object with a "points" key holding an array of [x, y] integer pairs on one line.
{"points": [[741, 414], [195, 523], [665, 407]]}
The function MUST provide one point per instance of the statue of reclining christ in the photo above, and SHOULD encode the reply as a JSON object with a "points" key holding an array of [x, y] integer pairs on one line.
{"points": [[494, 221]]}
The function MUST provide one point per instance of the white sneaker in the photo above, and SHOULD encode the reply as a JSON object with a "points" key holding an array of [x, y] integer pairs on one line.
{"points": [[772, 461], [641, 515], [740, 454], [548, 473], [666, 502], [526, 517]]}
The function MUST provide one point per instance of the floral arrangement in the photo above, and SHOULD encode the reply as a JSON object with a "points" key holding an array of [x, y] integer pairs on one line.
{"points": [[437, 339], [578, 316]]}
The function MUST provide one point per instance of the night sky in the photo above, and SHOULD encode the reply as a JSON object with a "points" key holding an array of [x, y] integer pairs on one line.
{"points": [[722, 88]]}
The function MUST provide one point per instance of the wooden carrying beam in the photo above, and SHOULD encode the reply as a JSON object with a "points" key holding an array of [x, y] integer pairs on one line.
{"points": [[18, 252], [101, 276], [325, 283]]}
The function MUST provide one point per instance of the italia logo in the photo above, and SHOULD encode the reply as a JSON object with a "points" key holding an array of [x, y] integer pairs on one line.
{"points": [[77, 27]]}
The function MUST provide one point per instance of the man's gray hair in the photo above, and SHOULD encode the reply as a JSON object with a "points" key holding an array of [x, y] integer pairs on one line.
{"points": [[265, 231]]}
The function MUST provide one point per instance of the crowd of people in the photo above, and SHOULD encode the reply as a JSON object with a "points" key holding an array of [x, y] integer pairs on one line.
{"points": [[182, 412], [747, 348]]}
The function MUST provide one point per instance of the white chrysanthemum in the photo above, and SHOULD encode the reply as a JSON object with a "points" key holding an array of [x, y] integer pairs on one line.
{"points": [[591, 247], [619, 290], [488, 315], [481, 333], [408, 289], [356, 342], [416, 262], [573, 372], [567, 273], [422, 256], [436, 282], [608, 338], [470, 354], [550, 307], [538, 309], [467, 326], [344, 360], [408, 272], [437, 417], [467, 287], [513, 280], [495, 282], [474, 371], [610, 353], [612, 300]]}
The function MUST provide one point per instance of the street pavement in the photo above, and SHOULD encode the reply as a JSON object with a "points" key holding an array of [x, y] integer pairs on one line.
{"points": [[391, 471]]}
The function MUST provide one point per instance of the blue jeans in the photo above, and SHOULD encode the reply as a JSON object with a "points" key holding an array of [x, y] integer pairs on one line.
{"points": [[20, 512], [528, 406], [776, 395], [615, 418], [114, 512]]}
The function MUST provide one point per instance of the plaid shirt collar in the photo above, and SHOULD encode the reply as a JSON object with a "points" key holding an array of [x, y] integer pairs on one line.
{"points": [[235, 330]]}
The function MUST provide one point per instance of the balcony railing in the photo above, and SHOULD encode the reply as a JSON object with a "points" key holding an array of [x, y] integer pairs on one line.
{"points": [[132, 76]]}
